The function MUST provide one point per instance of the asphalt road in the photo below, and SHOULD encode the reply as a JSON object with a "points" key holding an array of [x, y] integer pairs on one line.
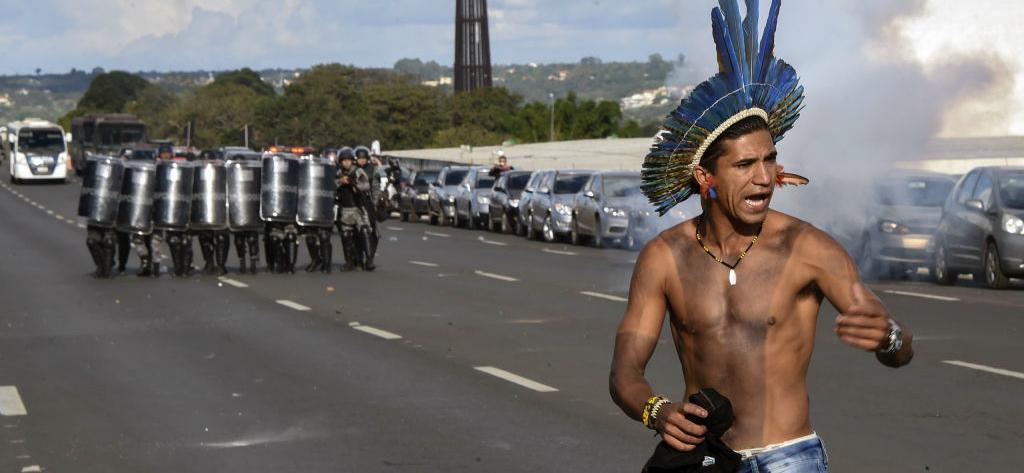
{"points": [[398, 370]]}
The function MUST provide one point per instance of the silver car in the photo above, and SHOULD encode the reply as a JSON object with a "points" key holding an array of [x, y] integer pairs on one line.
{"points": [[441, 200], [550, 208], [524, 200], [472, 199], [604, 209]]}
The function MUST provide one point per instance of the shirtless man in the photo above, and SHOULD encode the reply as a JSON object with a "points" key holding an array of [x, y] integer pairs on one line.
{"points": [[751, 341]]}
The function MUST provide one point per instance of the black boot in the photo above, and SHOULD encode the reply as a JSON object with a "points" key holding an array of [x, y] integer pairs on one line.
{"points": [[96, 252], [348, 249], [367, 245], [223, 247], [145, 267], [206, 248], [326, 255], [314, 253], [253, 261]]}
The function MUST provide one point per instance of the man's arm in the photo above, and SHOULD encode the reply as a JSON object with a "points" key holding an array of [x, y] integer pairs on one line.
{"points": [[634, 344], [863, 320], [362, 181]]}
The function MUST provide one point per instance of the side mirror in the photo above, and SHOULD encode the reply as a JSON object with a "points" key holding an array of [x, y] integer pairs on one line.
{"points": [[975, 204], [590, 194], [544, 190]]}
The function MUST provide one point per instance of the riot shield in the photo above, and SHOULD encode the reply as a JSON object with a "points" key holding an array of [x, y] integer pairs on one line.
{"points": [[243, 184], [209, 199], [135, 206], [278, 192], [101, 185], [172, 198], [316, 192]]}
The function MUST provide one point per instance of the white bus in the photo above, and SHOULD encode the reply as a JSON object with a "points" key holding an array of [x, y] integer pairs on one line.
{"points": [[36, 150]]}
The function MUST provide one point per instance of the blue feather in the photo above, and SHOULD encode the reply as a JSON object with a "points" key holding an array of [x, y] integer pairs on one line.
{"points": [[731, 10], [750, 34], [727, 60], [767, 50]]}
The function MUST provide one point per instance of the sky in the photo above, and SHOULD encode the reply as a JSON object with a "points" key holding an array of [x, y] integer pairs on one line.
{"points": [[165, 35]]}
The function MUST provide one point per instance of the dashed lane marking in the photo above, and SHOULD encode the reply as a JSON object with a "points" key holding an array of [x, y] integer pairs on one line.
{"points": [[10, 402], [31, 468], [397, 229], [989, 369], [604, 296], [49, 212], [559, 252], [424, 263], [491, 242], [232, 282], [375, 331], [495, 276], [923, 296], [516, 379], [59, 217], [83, 227], [442, 235], [292, 305]]}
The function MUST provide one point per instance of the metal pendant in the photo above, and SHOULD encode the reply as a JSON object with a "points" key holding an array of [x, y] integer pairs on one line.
{"points": [[732, 277]]}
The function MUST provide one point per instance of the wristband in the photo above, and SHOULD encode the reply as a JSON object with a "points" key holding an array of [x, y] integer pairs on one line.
{"points": [[648, 420]]}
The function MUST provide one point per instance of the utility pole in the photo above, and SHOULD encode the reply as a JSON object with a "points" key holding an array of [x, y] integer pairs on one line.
{"points": [[551, 99]]}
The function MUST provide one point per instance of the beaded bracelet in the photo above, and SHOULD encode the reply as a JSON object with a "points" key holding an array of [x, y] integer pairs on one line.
{"points": [[656, 410], [648, 420]]}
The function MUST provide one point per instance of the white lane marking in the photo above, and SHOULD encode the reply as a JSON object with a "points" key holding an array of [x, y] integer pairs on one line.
{"points": [[514, 378], [292, 305], [923, 296], [491, 242], [559, 252], [495, 276], [31, 468], [49, 212], [232, 282], [974, 366], [424, 263], [59, 217], [397, 229], [10, 402], [604, 296], [442, 235], [83, 227], [375, 331]]}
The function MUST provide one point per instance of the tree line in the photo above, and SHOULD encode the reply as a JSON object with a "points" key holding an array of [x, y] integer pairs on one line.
{"points": [[334, 104]]}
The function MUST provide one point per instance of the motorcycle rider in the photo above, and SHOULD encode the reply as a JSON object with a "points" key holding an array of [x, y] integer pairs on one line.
{"points": [[353, 221]]}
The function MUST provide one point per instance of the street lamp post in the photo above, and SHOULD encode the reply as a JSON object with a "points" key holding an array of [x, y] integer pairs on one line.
{"points": [[551, 133]]}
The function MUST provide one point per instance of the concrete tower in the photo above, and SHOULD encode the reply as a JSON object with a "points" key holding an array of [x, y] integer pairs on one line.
{"points": [[472, 45]]}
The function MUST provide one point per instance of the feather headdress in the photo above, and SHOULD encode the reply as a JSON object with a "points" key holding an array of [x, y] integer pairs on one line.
{"points": [[751, 82]]}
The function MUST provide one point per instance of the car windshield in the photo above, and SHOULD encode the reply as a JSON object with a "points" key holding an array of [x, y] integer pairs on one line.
{"points": [[121, 134], [914, 192], [621, 186], [483, 180], [570, 183], [244, 156], [424, 178], [1011, 189], [142, 155], [453, 178], [518, 182], [41, 141]]}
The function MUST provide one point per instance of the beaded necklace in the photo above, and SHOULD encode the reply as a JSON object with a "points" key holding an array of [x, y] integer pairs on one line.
{"points": [[732, 267]]}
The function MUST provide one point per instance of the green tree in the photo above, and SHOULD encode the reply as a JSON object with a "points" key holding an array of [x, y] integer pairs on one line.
{"points": [[110, 92], [244, 77]]}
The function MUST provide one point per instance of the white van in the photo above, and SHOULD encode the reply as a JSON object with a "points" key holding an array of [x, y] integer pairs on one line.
{"points": [[36, 150]]}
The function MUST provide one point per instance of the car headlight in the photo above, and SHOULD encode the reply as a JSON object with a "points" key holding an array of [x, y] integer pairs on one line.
{"points": [[423, 196], [615, 212], [563, 209], [1013, 224], [888, 226], [483, 200], [513, 202], [451, 199]]}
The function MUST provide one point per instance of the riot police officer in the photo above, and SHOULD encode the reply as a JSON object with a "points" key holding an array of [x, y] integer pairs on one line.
{"points": [[209, 213], [177, 237], [101, 186], [316, 214], [369, 200], [243, 196], [353, 225]]}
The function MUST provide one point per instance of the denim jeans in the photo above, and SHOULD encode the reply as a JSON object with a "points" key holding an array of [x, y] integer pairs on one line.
{"points": [[807, 456]]}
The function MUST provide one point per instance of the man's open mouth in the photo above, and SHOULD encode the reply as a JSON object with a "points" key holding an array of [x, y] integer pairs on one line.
{"points": [[757, 202]]}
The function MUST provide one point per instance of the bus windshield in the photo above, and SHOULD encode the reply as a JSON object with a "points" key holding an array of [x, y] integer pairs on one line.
{"points": [[120, 134], [41, 141]]}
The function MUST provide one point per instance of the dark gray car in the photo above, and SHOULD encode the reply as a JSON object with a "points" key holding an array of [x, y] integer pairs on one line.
{"points": [[505, 198], [982, 228], [412, 201], [441, 201], [550, 207], [905, 213], [603, 209], [524, 200]]}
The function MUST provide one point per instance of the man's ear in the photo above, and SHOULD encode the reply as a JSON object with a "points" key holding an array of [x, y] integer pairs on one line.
{"points": [[703, 176]]}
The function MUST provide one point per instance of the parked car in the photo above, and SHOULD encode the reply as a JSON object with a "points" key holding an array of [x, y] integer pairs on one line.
{"points": [[441, 203], [524, 200], [473, 198], [982, 228], [550, 211], [904, 215], [603, 210], [505, 195], [413, 200]]}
